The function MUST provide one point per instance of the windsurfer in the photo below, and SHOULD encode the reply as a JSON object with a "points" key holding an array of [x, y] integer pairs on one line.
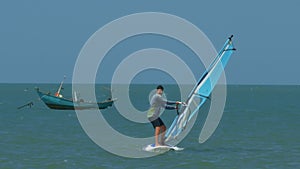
{"points": [[157, 104]]}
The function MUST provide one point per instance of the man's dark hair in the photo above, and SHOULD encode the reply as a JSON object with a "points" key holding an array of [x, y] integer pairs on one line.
{"points": [[160, 87]]}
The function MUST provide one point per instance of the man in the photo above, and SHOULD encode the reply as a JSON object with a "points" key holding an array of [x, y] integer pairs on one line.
{"points": [[157, 104]]}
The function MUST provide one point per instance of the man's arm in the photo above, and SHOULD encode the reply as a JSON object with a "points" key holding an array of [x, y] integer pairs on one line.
{"points": [[170, 107], [168, 102]]}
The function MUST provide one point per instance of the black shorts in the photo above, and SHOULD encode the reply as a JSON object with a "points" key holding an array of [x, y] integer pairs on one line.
{"points": [[157, 122]]}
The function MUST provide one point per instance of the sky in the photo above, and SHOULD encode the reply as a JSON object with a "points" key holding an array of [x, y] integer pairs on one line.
{"points": [[41, 40]]}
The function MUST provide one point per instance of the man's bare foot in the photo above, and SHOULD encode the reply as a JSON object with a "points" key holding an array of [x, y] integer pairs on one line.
{"points": [[157, 145]]}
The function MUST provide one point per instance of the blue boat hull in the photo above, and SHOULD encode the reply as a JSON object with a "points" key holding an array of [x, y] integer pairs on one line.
{"points": [[59, 103]]}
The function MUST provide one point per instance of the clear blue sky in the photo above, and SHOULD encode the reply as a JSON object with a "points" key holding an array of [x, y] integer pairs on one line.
{"points": [[40, 40]]}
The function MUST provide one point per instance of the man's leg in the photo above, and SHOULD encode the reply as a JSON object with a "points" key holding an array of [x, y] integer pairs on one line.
{"points": [[157, 132], [163, 132]]}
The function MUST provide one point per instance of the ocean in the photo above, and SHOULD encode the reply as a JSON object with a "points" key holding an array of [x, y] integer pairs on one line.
{"points": [[259, 129]]}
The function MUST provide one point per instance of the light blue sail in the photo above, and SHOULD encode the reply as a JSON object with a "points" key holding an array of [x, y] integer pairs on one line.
{"points": [[201, 90]]}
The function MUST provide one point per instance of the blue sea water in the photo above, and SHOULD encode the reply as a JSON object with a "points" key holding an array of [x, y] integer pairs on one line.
{"points": [[259, 129]]}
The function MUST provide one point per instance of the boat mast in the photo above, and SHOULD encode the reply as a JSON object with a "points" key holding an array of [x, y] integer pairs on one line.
{"points": [[59, 89]]}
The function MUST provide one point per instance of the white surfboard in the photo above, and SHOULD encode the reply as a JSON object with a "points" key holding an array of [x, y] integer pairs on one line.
{"points": [[161, 149]]}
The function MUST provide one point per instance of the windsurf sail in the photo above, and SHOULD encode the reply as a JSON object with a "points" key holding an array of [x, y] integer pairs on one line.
{"points": [[201, 91]]}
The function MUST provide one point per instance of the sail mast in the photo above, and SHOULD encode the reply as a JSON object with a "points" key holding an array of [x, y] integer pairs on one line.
{"points": [[60, 87]]}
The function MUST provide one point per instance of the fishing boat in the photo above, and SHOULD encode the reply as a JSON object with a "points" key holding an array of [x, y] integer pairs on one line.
{"points": [[57, 101]]}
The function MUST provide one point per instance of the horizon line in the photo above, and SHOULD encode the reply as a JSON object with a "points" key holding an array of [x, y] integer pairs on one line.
{"points": [[68, 83]]}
